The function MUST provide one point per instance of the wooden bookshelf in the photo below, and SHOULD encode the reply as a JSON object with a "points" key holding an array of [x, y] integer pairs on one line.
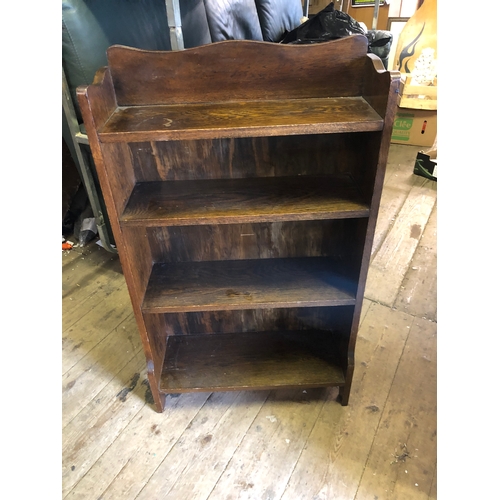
{"points": [[243, 181]]}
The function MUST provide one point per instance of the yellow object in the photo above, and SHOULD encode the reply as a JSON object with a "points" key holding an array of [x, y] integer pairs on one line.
{"points": [[418, 35]]}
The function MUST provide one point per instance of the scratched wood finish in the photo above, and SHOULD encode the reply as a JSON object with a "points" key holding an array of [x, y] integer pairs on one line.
{"points": [[225, 201], [248, 284], [121, 180], [337, 238], [261, 319], [342, 155], [248, 70], [262, 360], [229, 135], [241, 119]]}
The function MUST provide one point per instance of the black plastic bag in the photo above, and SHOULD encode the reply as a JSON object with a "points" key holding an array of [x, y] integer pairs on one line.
{"points": [[328, 24], [379, 43], [331, 24]]}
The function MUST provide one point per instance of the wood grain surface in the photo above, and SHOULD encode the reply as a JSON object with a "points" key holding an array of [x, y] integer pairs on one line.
{"points": [[240, 119], [260, 360], [248, 284], [212, 119], [225, 201], [246, 70]]}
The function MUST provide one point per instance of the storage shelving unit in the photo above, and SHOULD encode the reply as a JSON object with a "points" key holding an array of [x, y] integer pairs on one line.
{"points": [[243, 181]]}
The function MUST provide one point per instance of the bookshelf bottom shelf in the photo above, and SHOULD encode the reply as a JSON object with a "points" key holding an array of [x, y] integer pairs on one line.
{"points": [[261, 360]]}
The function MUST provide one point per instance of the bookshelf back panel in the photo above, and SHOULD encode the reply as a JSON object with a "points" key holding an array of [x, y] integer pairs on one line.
{"points": [[340, 239], [321, 154], [337, 319], [245, 70]]}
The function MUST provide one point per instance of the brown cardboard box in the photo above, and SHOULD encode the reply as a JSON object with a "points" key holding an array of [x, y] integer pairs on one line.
{"points": [[416, 127], [417, 96], [316, 6]]}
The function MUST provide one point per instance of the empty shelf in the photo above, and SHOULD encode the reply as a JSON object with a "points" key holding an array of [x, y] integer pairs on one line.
{"points": [[219, 201], [248, 284], [261, 360], [240, 119]]}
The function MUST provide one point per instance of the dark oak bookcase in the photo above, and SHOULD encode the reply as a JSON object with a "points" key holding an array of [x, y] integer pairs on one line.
{"points": [[243, 181]]}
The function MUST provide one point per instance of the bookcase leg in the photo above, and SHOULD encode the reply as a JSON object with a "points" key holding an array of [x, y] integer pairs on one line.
{"points": [[159, 402], [343, 396], [345, 390], [158, 397]]}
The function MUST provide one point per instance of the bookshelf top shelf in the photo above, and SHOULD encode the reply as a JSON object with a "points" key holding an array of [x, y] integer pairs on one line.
{"points": [[240, 119], [239, 88]]}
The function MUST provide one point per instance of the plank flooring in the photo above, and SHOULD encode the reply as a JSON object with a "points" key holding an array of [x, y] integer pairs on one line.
{"points": [[267, 444]]}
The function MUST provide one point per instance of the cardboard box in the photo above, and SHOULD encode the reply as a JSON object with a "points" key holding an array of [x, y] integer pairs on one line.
{"points": [[416, 127], [415, 96], [316, 6]]}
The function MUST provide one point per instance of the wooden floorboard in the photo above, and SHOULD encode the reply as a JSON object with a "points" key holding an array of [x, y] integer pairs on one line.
{"points": [[418, 292], [288, 445], [341, 441], [195, 463], [398, 180], [264, 462], [89, 433], [391, 261], [109, 311], [125, 467], [85, 379], [400, 464]]}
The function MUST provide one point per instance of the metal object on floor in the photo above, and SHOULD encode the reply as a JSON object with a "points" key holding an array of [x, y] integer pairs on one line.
{"points": [[77, 139]]}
